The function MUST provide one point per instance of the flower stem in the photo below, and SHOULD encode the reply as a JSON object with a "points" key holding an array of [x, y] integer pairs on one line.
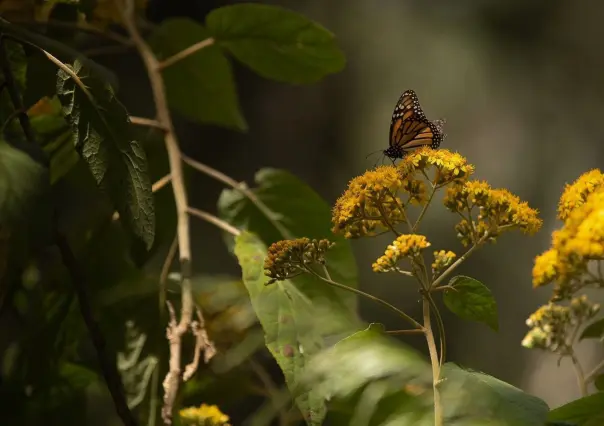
{"points": [[579, 373], [593, 373], [393, 308], [458, 262], [438, 415], [424, 209]]}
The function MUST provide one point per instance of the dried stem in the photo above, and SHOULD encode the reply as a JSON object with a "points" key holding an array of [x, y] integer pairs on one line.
{"points": [[176, 329], [149, 122], [214, 221], [202, 342], [165, 270], [459, 261], [186, 53]]}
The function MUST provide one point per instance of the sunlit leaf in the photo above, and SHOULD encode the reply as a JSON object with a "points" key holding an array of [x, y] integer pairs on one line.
{"points": [[102, 134], [587, 411], [276, 43], [471, 300], [595, 330], [291, 323], [201, 86], [291, 209]]}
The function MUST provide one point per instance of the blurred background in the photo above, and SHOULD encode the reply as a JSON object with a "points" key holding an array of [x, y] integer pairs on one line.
{"points": [[521, 85]]}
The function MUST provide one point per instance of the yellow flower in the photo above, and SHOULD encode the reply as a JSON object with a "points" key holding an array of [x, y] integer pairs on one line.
{"points": [[204, 415], [449, 166], [288, 258], [545, 269], [406, 245], [498, 210], [574, 195], [370, 200], [442, 259]]}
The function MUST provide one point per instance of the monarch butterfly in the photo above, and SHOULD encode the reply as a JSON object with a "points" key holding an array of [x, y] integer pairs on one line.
{"points": [[410, 128]]}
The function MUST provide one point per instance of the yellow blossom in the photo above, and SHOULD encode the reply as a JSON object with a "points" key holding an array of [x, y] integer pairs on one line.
{"points": [[442, 259], [449, 166], [371, 202], [204, 415], [498, 210], [406, 245], [575, 194], [545, 269]]}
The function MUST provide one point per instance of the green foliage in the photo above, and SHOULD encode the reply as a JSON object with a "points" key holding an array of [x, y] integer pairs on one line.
{"points": [[471, 300], [587, 411], [276, 43], [21, 179], [102, 135], [595, 330], [599, 382], [290, 209], [291, 325], [201, 86]]}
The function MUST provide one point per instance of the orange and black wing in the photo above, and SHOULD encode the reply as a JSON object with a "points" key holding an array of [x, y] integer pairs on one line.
{"points": [[410, 128]]}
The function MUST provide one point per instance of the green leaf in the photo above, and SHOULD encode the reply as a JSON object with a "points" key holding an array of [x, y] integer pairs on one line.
{"points": [[20, 181], [587, 411], [497, 400], [471, 300], [290, 321], [201, 86], [291, 209], [276, 43], [599, 382], [102, 134], [56, 48], [595, 330]]}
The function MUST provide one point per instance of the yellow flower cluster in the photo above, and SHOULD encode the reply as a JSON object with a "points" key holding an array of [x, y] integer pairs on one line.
{"points": [[576, 194], [288, 258], [442, 260], [449, 166], [498, 210], [407, 245], [579, 242], [552, 324], [204, 415], [376, 201]]}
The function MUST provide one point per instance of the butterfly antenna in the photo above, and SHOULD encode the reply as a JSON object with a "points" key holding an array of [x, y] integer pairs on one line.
{"points": [[371, 153]]}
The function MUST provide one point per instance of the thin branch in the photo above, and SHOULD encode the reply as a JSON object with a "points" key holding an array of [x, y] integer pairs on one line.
{"points": [[242, 188], [154, 188], [404, 332], [424, 209], [591, 376], [202, 343], [459, 261], [581, 382], [175, 330], [107, 365], [165, 270], [149, 122], [185, 53], [225, 226]]}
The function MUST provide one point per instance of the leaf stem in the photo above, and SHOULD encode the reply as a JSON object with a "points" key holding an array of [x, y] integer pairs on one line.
{"points": [[424, 209], [581, 382], [185, 53], [376, 299]]}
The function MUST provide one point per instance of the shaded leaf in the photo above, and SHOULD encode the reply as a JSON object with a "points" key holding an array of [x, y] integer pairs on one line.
{"points": [[276, 43], [201, 86], [21, 179], [18, 65], [595, 330], [499, 401], [599, 382], [587, 411], [102, 135], [471, 300], [291, 325], [291, 210]]}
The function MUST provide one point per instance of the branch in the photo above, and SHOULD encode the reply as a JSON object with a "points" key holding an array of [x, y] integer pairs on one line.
{"points": [[175, 330], [185, 53], [202, 343], [214, 221], [108, 368], [149, 122], [165, 270]]}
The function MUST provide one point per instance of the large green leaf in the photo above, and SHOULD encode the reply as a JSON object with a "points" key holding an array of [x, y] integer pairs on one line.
{"points": [[471, 397], [276, 43], [201, 86], [102, 134], [291, 323], [20, 181], [290, 210], [587, 411], [471, 300]]}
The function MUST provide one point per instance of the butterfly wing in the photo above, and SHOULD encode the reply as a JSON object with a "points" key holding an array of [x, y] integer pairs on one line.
{"points": [[410, 128]]}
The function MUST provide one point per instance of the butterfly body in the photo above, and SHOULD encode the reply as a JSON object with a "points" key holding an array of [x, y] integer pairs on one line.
{"points": [[410, 129]]}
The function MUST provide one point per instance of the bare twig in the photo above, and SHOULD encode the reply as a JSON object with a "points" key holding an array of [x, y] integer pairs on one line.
{"points": [[106, 362], [175, 330], [165, 270], [214, 221], [154, 188], [149, 122], [593, 373], [186, 53]]}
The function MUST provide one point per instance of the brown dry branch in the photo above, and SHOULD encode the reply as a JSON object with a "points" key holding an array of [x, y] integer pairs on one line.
{"points": [[176, 328]]}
